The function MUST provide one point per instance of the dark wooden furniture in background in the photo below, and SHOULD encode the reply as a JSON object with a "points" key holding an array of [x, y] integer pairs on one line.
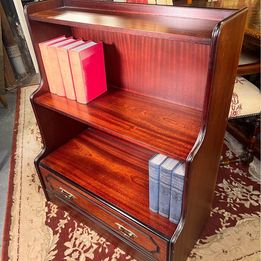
{"points": [[7, 76], [247, 129], [242, 129], [252, 34], [252, 29], [170, 74]]}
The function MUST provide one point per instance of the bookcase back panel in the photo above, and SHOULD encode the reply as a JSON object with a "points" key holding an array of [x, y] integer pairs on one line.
{"points": [[175, 71]]}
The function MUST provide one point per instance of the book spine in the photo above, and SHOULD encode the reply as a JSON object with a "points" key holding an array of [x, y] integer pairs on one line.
{"points": [[66, 73], [164, 193], [47, 64], [78, 77], [56, 72], [154, 188], [176, 198]]}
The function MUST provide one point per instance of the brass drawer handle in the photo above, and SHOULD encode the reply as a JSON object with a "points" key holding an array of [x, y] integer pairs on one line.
{"points": [[66, 194], [126, 231]]}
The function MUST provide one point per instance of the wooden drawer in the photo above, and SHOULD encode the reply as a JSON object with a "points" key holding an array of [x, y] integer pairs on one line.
{"points": [[144, 239]]}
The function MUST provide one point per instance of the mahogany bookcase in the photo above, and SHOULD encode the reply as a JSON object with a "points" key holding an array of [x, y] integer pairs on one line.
{"points": [[170, 74]]}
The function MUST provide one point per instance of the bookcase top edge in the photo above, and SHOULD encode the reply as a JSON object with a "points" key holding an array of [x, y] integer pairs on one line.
{"points": [[200, 12], [172, 28], [197, 12]]}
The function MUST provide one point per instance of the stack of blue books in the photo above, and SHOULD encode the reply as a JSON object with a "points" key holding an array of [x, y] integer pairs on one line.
{"points": [[166, 183]]}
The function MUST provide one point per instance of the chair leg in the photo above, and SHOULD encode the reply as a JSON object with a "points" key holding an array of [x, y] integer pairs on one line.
{"points": [[227, 162], [248, 156]]}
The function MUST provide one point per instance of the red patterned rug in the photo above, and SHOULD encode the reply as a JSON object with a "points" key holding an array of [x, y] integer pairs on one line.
{"points": [[38, 230]]}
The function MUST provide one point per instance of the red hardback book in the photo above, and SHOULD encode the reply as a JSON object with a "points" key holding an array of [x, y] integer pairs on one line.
{"points": [[57, 80], [88, 71], [65, 67], [47, 61]]}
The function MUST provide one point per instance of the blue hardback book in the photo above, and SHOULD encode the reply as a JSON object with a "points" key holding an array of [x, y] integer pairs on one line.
{"points": [[154, 171], [166, 170], [177, 186]]}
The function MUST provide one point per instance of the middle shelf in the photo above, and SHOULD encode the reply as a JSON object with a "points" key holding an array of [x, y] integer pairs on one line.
{"points": [[113, 170], [154, 124]]}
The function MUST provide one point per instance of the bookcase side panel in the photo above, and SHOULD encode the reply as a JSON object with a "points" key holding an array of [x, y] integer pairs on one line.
{"points": [[203, 163], [42, 32], [56, 129], [175, 71]]}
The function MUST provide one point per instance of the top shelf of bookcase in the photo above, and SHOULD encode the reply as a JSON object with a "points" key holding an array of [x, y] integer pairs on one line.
{"points": [[194, 28]]}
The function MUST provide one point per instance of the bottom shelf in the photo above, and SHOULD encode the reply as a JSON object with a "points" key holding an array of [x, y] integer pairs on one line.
{"points": [[111, 170]]}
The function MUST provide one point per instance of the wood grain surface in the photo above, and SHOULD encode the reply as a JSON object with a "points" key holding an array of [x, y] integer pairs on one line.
{"points": [[253, 16], [114, 170], [203, 162], [145, 240], [175, 71], [161, 126], [174, 68], [161, 26]]}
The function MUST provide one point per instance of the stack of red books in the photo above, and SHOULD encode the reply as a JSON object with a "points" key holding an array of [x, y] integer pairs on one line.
{"points": [[74, 68]]}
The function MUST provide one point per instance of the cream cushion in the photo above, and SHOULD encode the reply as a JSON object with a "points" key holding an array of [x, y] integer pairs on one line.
{"points": [[246, 99]]}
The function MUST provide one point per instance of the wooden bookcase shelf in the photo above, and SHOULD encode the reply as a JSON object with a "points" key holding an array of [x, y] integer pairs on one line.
{"points": [[170, 73], [160, 126], [161, 26], [116, 171]]}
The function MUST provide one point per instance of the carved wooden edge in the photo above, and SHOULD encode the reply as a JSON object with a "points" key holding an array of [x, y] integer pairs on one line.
{"points": [[43, 86], [29, 8], [53, 135], [203, 162]]}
